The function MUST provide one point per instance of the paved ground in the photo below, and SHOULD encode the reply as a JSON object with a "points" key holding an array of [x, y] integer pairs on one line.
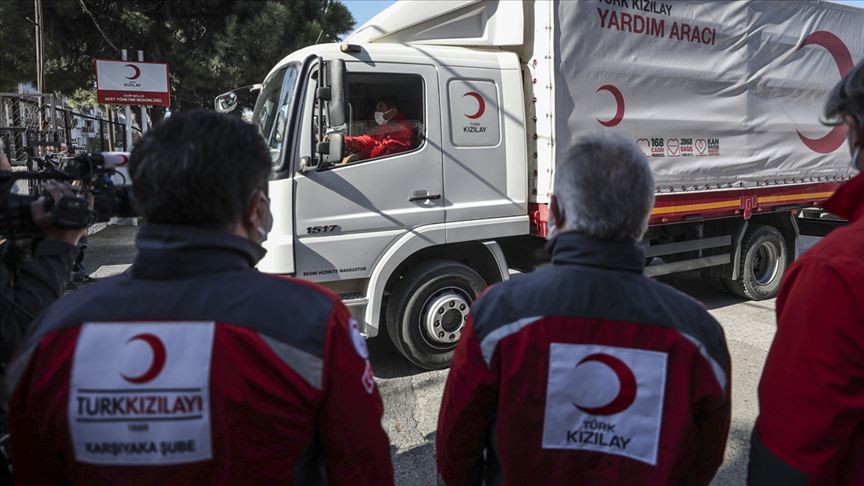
{"points": [[412, 396]]}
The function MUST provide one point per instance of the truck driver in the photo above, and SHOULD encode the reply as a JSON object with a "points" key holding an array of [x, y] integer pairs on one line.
{"points": [[391, 135]]}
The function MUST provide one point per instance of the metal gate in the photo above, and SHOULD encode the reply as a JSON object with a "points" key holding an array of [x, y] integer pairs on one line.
{"points": [[33, 125]]}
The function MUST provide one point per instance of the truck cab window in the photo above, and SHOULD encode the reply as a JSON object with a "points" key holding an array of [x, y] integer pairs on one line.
{"points": [[273, 109], [385, 117]]}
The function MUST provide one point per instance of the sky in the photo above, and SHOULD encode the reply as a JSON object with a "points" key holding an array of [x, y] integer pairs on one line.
{"points": [[363, 10]]}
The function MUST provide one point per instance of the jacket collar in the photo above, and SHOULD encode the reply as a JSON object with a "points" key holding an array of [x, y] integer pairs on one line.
{"points": [[848, 201], [174, 251], [570, 248]]}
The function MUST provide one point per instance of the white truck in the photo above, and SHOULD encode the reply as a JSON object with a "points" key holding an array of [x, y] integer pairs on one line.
{"points": [[723, 97]]}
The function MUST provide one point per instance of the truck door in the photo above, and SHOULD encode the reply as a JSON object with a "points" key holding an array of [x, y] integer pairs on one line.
{"points": [[272, 114], [348, 214]]}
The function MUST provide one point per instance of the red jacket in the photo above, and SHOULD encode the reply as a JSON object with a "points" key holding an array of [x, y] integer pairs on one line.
{"points": [[586, 372], [397, 135], [196, 369], [811, 398]]}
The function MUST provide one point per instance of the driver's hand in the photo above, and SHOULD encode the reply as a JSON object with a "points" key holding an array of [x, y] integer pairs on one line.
{"points": [[42, 218], [349, 159]]}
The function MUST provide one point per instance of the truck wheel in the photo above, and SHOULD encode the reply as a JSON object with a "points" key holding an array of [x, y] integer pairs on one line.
{"points": [[763, 263], [427, 311]]}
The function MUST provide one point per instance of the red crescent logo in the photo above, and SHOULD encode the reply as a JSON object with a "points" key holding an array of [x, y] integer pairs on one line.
{"points": [[158, 359], [835, 138], [136, 69], [626, 393], [481, 105], [619, 101]]}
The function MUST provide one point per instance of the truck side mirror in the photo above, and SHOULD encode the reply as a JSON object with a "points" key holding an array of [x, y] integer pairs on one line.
{"points": [[333, 148], [337, 106], [332, 89], [336, 149], [243, 98], [226, 102]]}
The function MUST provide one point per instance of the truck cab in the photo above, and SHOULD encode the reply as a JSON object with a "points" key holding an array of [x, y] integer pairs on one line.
{"points": [[366, 227]]}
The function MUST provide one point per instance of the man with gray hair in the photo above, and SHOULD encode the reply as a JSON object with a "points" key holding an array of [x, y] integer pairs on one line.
{"points": [[587, 371]]}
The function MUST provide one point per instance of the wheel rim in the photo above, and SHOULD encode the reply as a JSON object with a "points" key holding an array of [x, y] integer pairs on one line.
{"points": [[444, 316], [766, 263]]}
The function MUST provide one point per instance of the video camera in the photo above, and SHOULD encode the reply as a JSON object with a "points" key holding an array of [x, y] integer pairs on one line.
{"points": [[94, 172]]}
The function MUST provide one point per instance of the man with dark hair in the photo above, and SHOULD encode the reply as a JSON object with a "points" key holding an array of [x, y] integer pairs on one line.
{"points": [[193, 368], [393, 134], [811, 396], [588, 372]]}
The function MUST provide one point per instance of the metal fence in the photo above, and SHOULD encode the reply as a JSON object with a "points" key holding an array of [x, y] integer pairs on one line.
{"points": [[32, 125]]}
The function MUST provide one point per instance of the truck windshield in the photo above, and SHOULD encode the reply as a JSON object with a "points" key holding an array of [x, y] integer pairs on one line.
{"points": [[273, 108]]}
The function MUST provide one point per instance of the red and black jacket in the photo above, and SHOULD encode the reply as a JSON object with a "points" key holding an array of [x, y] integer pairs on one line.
{"points": [[586, 372], [810, 428], [194, 368], [397, 135]]}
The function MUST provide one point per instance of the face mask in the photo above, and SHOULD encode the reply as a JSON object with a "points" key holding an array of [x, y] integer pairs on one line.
{"points": [[379, 118], [551, 229], [854, 160], [267, 220]]}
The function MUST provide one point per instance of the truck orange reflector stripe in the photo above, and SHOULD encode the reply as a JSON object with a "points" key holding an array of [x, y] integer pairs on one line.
{"points": [[697, 207], [795, 197]]}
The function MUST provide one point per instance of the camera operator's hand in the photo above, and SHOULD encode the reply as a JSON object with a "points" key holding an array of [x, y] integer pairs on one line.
{"points": [[42, 218]]}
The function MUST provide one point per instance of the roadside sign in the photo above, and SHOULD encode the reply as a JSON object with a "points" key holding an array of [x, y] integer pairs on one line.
{"points": [[132, 83]]}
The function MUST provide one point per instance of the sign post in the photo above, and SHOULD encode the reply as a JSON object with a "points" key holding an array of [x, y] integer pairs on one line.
{"points": [[132, 83], [127, 146], [144, 114]]}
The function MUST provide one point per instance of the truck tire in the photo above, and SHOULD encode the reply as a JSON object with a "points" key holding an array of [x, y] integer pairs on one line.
{"points": [[427, 311], [763, 263]]}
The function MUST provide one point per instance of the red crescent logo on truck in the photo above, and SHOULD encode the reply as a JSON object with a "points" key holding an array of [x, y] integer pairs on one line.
{"points": [[156, 365], [626, 391], [619, 101], [834, 139], [137, 71], [481, 105]]}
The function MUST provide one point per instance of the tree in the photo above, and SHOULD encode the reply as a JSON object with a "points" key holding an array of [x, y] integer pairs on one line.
{"points": [[211, 46], [17, 45]]}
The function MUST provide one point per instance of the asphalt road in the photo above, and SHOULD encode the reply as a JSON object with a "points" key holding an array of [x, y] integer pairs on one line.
{"points": [[412, 395]]}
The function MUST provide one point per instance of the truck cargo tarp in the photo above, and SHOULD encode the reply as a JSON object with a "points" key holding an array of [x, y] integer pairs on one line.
{"points": [[716, 94]]}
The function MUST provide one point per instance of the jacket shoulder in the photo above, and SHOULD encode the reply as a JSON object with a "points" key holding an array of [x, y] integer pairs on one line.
{"points": [[286, 309], [596, 293]]}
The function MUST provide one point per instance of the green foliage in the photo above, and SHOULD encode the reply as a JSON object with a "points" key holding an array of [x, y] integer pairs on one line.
{"points": [[82, 99], [17, 45], [211, 46]]}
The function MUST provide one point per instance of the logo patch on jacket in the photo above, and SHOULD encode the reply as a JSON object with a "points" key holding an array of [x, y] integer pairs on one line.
{"points": [[357, 339], [605, 399], [139, 393]]}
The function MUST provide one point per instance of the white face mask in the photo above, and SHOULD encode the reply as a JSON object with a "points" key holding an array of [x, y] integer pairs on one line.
{"points": [[854, 160], [551, 229], [379, 118]]}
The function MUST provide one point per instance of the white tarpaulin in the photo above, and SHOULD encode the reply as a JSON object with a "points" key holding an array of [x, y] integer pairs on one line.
{"points": [[717, 94]]}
